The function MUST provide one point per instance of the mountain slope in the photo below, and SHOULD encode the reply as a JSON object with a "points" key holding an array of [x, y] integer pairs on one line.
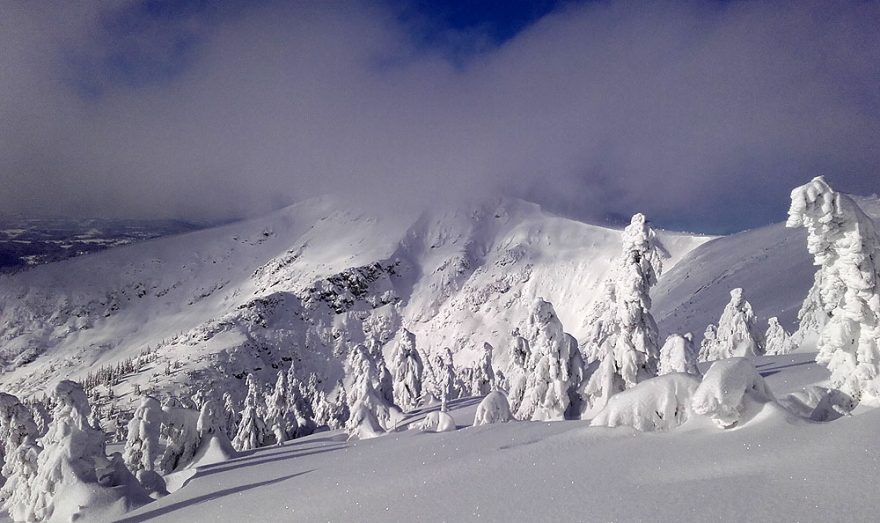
{"points": [[301, 285]]}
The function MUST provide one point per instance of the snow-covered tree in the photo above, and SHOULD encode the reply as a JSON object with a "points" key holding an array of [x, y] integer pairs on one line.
{"points": [[71, 463], [776, 340], [366, 405], [278, 414], [142, 442], [385, 381], [518, 370], [546, 393], [179, 427], [679, 355], [252, 429], [444, 369], [737, 334], [339, 413], [812, 316], [406, 370], [300, 420], [846, 247], [483, 376], [18, 441], [493, 409], [708, 343], [623, 337], [230, 415]]}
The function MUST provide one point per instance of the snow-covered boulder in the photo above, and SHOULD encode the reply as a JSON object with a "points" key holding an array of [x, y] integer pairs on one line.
{"points": [[732, 391], [493, 409], [660, 403], [437, 421]]}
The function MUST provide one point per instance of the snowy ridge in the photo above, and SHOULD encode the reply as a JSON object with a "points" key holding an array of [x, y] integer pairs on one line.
{"points": [[303, 284]]}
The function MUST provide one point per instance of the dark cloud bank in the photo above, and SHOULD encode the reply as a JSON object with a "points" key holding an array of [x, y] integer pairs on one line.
{"points": [[703, 115]]}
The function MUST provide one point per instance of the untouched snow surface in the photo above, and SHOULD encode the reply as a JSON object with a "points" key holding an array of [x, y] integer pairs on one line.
{"points": [[775, 467]]}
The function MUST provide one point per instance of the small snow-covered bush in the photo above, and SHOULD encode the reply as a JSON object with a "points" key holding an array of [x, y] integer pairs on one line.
{"points": [[493, 409], [363, 424], [660, 403], [437, 421], [730, 390]]}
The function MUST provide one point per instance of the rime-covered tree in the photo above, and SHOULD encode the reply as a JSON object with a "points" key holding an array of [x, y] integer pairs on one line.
{"points": [[483, 376], [679, 355], [518, 370], [300, 422], [846, 247], [708, 343], [368, 409], [181, 435], [252, 429], [545, 396], [339, 408], [72, 461], [230, 414], [18, 440], [737, 334], [142, 441], [278, 413], [384, 380], [624, 336], [406, 370], [776, 340]]}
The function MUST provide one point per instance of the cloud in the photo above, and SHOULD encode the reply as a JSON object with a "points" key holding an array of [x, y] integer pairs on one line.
{"points": [[702, 115]]}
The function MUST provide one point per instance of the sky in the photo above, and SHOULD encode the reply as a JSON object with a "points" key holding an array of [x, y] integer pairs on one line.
{"points": [[703, 115]]}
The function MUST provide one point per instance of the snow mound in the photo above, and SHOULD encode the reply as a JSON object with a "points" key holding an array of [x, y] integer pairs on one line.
{"points": [[660, 403], [364, 424], [731, 392], [214, 449], [437, 421], [493, 409]]}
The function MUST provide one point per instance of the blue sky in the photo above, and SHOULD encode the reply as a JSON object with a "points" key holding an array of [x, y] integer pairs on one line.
{"points": [[703, 115]]}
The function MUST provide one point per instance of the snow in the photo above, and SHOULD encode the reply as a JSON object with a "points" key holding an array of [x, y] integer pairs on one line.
{"points": [[660, 403], [764, 471], [493, 409], [731, 392]]}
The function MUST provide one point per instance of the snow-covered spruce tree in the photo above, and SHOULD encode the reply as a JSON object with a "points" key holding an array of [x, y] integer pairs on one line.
{"points": [[252, 430], [300, 422], [679, 355], [846, 248], [708, 343], [385, 381], [626, 341], [73, 467], [339, 413], [278, 414], [776, 340], [737, 334], [18, 439], [370, 414], [142, 442], [546, 388], [406, 370], [179, 427], [483, 376], [601, 321], [446, 376], [230, 414], [518, 370]]}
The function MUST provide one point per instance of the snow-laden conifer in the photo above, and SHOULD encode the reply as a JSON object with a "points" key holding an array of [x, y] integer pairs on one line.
{"points": [[737, 334], [776, 340], [545, 396], [623, 337], [846, 247], [483, 376], [252, 429], [679, 355], [406, 370], [142, 441]]}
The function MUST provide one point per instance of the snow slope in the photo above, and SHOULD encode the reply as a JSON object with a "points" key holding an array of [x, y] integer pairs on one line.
{"points": [[777, 467], [770, 264], [302, 284]]}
